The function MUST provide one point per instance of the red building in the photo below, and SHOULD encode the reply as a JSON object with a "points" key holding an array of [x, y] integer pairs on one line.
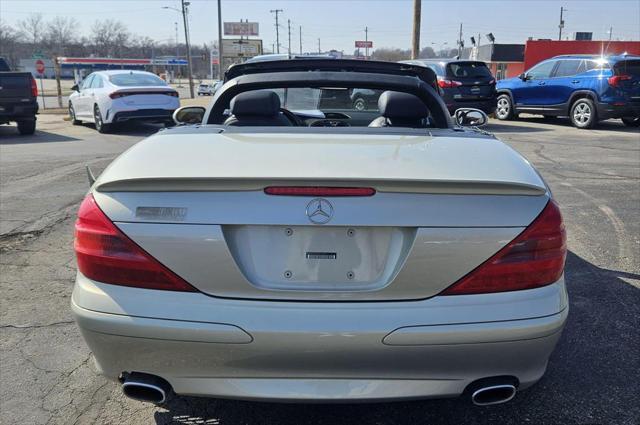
{"points": [[538, 50], [510, 60]]}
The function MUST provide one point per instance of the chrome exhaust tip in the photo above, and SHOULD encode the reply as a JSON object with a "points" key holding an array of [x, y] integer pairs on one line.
{"points": [[145, 387], [494, 394]]}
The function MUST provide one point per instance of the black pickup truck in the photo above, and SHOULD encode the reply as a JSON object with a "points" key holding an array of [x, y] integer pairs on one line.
{"points": [[18, 98]]}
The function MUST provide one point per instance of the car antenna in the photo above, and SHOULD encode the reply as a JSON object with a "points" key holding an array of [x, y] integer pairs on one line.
{"points": [[90, 175]]}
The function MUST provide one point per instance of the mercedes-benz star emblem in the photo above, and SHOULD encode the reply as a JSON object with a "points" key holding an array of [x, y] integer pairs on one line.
{"points": [[319, 211]]}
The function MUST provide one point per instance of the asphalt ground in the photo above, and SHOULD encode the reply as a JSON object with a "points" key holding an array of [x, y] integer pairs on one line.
{"points": [[46, 371]]}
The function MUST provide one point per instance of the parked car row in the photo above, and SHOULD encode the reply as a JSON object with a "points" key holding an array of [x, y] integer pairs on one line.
{"points": [[586, 88]]}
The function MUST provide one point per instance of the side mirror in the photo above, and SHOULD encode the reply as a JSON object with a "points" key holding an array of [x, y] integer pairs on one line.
{"points": [[189, 115], [523, 76], [75, 88], [470, 117]]}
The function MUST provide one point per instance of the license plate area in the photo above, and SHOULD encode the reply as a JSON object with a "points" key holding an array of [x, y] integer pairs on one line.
{"points": [[314, 258]]}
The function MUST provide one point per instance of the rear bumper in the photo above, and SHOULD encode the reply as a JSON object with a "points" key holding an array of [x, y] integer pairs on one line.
{"points": [[157, 115], [487, 106], [608, 110], [18, 111], [318, 351]]}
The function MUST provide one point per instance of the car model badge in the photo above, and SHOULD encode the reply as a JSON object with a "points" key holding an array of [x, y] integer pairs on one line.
{"points": [[319, 211]]}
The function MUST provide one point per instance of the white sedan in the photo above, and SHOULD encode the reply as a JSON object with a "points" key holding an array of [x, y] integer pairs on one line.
{"points": [[109, 97]]}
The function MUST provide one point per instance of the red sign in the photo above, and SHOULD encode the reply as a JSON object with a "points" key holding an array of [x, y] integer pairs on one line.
{"points": [[365, 44], [40, 66]]}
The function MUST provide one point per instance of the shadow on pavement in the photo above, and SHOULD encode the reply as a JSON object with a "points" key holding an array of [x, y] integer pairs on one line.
{"points": [[9, 136], [496, 126], [591, 378]]}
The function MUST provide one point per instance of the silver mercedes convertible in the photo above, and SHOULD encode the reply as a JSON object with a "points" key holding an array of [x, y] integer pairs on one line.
{"points": [[283, 245]]}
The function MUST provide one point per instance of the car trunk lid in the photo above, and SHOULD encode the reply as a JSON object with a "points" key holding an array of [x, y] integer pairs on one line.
{"points": [[439, 211]]}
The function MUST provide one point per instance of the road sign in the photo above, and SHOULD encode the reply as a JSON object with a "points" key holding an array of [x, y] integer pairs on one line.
{"points": [[365, 44], [243, 29], [40, 66], [237, 48]]}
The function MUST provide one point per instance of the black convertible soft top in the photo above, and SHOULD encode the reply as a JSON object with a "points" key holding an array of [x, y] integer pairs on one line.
{"points": [[333, 65]]}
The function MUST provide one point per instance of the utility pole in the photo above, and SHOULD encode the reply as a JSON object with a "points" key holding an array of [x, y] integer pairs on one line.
{"points": [[300, 39], [289, 30], [610, 32], [276, 11], [319, 50], [415, 45], [220, 67], [460, 42], [561, 25], [366, 42], [186, 37]]}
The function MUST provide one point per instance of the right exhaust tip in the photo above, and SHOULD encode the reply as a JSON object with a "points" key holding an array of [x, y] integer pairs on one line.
{"points": [[494, 394]]}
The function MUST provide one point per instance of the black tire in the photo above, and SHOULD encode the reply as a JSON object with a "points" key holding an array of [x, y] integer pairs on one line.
{"points": [[100, 125], [360, 104], [583, 113], [72, 115], [27, 127], [504, 108], [631, 121]]}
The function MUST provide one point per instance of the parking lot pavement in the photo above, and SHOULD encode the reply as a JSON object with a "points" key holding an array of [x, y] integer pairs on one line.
{"points": [[47, 374]]}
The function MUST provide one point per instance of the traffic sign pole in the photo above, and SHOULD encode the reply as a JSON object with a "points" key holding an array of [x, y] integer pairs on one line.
{"points": [[42, 93]]}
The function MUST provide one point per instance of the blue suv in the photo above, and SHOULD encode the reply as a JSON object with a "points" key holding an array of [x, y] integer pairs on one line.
{"points": [[586, 88]]}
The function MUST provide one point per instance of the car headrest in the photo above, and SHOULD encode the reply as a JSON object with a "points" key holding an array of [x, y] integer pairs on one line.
{"points": [[263, 103], [393, 104]]}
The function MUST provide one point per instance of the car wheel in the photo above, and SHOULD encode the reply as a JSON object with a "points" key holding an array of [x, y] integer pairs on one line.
{"points": [[72, 115], [583, 113], [359, 104], [100, 125], [27, 127], [504, 109], [631, 121]]}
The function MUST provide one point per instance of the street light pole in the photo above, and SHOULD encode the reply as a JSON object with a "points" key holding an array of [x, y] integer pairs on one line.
{"points": [[220, 68], [186, 37]]}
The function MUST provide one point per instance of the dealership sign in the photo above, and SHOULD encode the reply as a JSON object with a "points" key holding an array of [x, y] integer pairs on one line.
{"points": [[238, 48], [364, 44], [242, 29]]}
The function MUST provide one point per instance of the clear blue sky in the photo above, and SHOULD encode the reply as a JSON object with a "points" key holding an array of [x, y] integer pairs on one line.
{"points": [[339, 23]]}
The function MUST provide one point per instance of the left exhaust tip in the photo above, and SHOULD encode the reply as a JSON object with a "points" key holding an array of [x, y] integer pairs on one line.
{"points": [[495, 394], [145, 387]]}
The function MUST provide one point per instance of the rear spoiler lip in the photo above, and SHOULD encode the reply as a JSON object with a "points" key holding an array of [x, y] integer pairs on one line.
{"points": [[443, 187]]}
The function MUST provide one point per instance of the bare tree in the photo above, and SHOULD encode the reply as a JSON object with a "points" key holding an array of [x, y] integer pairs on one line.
{"points": [[61, 33], [427, 52], [391, 54], [110, 37], [33, 26], [9, 43]]}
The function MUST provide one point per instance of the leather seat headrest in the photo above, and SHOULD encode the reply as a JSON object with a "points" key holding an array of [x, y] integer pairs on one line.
{"points": [[263, 103], [393, 104]]}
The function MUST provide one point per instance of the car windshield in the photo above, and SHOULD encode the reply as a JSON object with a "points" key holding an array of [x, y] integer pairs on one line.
{"points": [[468, 69], [136, 79]]}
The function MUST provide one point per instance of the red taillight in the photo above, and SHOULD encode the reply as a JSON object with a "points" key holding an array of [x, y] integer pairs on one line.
{"points": [[173, 93], [447, 84], [616, 79], [34, 87], [105, 254], [535, 258], [117, 95], [319, 191]]}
